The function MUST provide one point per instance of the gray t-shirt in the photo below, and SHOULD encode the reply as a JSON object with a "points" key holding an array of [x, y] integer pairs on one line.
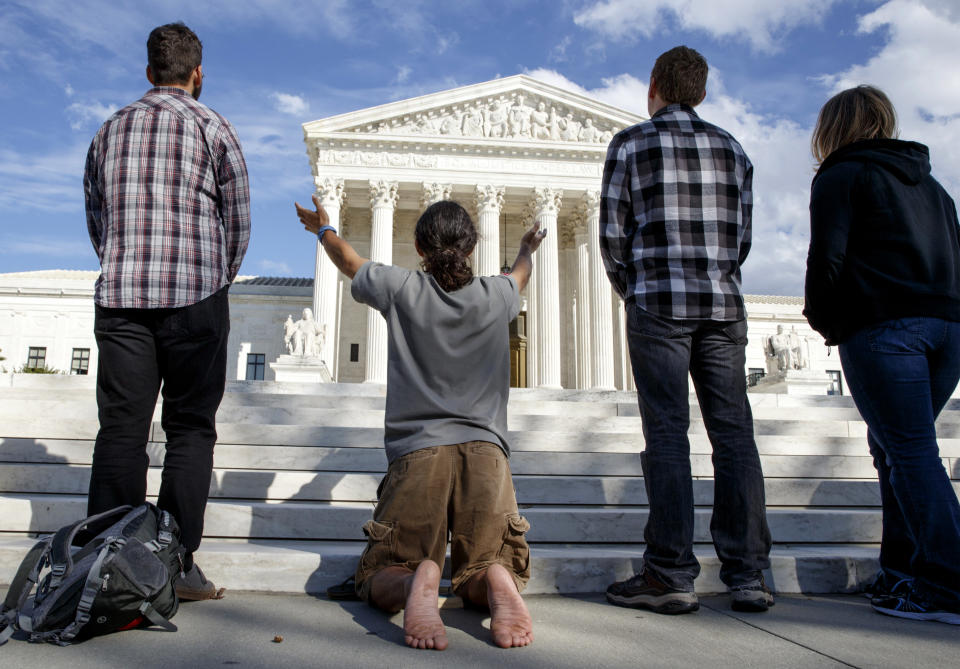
{"points": [[448, 364]]}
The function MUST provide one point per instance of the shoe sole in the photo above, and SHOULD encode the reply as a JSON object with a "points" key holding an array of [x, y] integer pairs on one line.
{"points": [[671, 604], [938, 616]]}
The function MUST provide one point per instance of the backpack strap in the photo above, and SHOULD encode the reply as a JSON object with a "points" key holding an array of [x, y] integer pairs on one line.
{"points": [[26, 577], [90, 589], [154, 617], [61, 557]]}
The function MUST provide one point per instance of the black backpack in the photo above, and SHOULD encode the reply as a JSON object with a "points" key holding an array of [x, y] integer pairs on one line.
{"points": [[120, 578]]}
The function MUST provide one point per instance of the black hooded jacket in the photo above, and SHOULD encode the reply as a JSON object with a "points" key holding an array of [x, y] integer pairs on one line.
{"points": [[884, 242]]}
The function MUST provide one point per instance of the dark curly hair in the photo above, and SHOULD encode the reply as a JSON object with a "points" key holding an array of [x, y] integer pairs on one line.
{"points": [[446, 235], [173, 52]]}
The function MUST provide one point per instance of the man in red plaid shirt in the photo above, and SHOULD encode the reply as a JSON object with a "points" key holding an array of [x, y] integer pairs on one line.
{"points": [[168, 211]]}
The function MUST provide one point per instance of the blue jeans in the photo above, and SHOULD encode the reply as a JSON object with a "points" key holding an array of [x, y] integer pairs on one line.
{"points": [[662, 352], [901, 373]]}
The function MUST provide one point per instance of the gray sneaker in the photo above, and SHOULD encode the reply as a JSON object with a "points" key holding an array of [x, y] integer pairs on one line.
{"points": [[646, 591], [194, 586], [752, 597]]}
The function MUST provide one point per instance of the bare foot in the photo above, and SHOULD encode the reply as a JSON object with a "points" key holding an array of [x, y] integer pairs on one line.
{"points": [[510, 622], [422, 627]]}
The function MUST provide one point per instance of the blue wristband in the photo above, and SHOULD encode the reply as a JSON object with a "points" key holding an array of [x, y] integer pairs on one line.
{"points": [[324, 229]]}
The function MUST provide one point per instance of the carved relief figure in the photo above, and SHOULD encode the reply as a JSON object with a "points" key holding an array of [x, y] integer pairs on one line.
{"points": [[518, 119], [554, 125], [496, 120], [472, 125], [589, 133], [540, 122], [569, 129], [450, 125]]}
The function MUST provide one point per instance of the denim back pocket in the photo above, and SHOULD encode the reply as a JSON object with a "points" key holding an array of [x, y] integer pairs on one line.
{"points": [[902, 335]]}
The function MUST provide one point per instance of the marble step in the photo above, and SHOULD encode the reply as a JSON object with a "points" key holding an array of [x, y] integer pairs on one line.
{"points": [[313, 566], [310, 409], [549, 524], [325, 486], [372, 459]]}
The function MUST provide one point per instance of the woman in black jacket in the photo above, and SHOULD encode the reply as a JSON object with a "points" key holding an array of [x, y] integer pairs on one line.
{"points": [[883, 283]]}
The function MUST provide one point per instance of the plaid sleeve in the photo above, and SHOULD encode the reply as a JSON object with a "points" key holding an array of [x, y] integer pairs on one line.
{"points": [[746, 213], [92, 197], [235, 198], [615, 212]]}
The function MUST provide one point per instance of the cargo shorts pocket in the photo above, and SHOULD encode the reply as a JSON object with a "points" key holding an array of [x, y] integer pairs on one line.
{"points": [[381, 545], [515, 553]]}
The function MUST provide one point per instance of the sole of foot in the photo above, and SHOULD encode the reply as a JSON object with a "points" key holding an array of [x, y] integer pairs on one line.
{"points": [[510, 622], [422, 626]]}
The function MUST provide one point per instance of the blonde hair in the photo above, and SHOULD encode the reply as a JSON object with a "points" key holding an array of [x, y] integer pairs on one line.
{"points": [[855, 114]]}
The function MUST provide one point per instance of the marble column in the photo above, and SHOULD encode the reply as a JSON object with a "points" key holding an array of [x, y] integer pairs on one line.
{"points": [[601, 318], [584, 353], [325, 278], [383, 201], [546, 274], [487, 255], [533, 350]]}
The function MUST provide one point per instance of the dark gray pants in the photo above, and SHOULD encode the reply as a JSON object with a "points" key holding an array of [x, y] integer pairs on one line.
{"points": [[662, 352]]}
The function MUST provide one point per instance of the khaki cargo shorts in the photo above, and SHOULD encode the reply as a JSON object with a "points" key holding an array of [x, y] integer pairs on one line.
{"points": [[466, 485]]}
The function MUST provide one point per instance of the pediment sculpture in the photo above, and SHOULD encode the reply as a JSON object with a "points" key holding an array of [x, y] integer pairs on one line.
{"points": [[512, 116]]}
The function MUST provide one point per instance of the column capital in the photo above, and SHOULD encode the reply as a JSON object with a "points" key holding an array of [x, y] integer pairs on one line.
{"points": [[330, 191], [433, 193], [383, 194], [489, 198], [545, 201], [589, 205], [569, 229]]}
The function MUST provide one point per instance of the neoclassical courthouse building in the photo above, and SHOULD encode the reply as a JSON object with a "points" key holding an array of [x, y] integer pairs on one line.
{"points": [[511, 150]]}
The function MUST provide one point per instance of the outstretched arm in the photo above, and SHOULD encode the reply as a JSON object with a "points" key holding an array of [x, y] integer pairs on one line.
{"points": [[338, 250], [523, 265]]}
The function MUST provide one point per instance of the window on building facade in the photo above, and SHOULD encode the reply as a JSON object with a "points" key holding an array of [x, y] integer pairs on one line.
{"points": [[836, 385], [354, 352], [37, 357], [256, 364], [80, 363], [754, 374]]}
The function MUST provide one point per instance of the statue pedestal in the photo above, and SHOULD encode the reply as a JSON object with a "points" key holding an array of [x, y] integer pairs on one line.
{"points": [[794, 382], [300, 369]]}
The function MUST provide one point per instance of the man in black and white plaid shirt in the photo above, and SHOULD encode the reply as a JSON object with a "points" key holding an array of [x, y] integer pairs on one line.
{"points": [[676, 204]]}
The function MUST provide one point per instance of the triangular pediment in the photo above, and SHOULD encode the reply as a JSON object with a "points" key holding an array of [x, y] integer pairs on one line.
{"points": [[517, 108]]}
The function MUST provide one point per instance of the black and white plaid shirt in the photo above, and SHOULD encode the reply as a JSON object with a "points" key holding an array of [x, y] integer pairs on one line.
{"points": [[168, 202], [675, 213]]}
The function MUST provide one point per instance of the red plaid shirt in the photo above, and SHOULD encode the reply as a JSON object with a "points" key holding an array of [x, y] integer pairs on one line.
{"points": [[167, 200]]}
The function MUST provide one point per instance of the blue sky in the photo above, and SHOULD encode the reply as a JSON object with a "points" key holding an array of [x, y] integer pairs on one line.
{"points": [[272, 65]]}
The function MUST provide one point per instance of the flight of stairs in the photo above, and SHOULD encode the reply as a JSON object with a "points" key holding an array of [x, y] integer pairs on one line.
{"points": [[297, 468]]}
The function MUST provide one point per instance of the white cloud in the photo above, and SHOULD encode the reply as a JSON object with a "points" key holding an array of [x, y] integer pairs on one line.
{"points": [[91, 113], [274, 267], [46, 182], [290, 104], [68, 90], [403, 74], [758, 23]]}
